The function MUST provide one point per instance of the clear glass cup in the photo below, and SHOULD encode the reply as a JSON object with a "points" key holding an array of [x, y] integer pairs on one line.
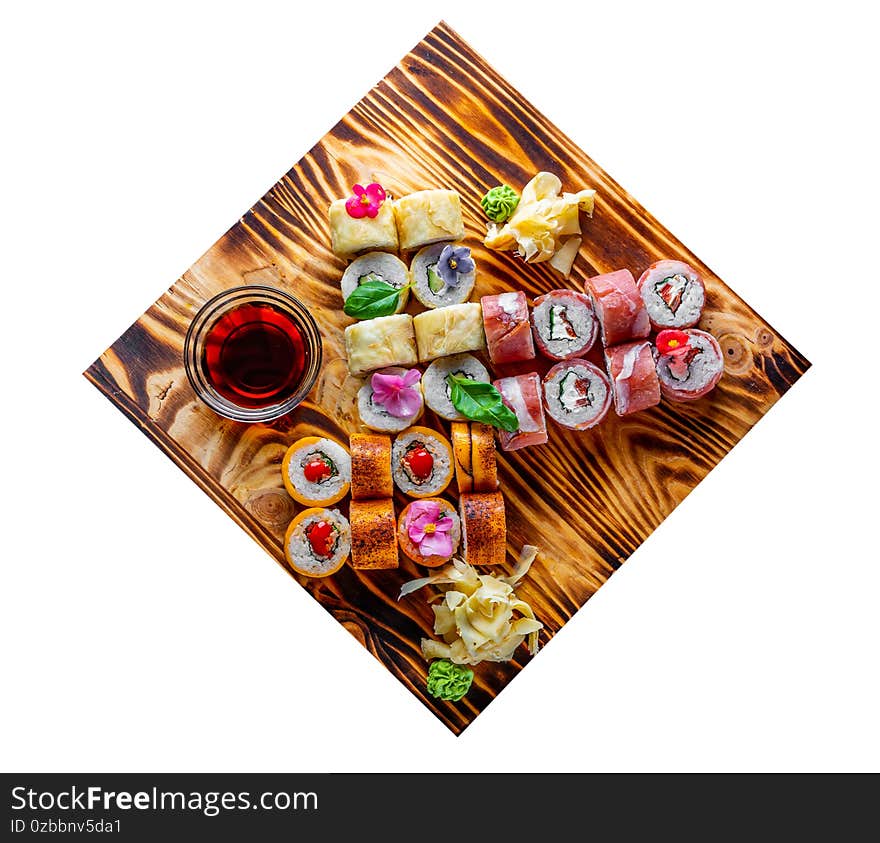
{"points": [[252, 353]]}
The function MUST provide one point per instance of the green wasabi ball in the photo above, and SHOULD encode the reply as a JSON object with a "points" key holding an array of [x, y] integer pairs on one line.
{"points": [[448, 681], [500, 202]]}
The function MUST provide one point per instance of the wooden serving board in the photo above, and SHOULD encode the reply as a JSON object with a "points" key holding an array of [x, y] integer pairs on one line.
{"points": [[444, 118]]}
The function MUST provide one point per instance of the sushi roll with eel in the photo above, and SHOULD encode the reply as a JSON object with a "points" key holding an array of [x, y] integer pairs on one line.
{"points": [[577, 394], [689, 364], [436, 386], [522, 394], [634, 381], [316, 471], [443, 274], [507, 328], [619, 307], [377, 266], [564, 324], [421, 462], [673, 294], [317, 542]]}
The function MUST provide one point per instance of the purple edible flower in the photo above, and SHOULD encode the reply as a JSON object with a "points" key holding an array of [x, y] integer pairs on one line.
{"points": [[454, 261]]}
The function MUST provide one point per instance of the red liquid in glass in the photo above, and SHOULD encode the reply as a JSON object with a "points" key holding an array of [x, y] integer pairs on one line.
{"points": [[255, 355]]}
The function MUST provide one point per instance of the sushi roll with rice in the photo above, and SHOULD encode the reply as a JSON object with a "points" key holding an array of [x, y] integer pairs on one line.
{"points": [[483, 528], [429, 531], [377, 266], [317, 542], [577, 394], [689, 364], [316, 471], [473, 446], [373, 534], [436, 386], [564, 324], [421, 462], [448, 330], [634, 382], [507, 328], [370, 466], [351, 235], [619, 307], [673, 294], [391, 400], [522, 394], [381, 342], [428, 216], [443, 274]]}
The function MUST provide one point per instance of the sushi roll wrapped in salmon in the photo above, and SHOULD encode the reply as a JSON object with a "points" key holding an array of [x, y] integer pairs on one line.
{"points": [[689, 364], [317, 542], [577, 394], [443, 274], [421, 462], [391, 399], [316, 471], [619, 307], [436, 386], [564, 324], [673, 294], [522, 394], [377, 266], [507, 328], [429, 531], [634, 382]]}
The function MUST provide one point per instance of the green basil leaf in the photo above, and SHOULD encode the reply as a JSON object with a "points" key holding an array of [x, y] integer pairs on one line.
{"points": [[481, 402], [372, 299]]}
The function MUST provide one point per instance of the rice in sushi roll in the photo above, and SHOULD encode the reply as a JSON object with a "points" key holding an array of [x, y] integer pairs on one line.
{"points": [[443, 274], [436, 387], [316, 471], [377, 266], [421, 462], [391, 400], [317, 542], [577, 394], [689, 364], [564, 324], [429, 531], [673, 294]]}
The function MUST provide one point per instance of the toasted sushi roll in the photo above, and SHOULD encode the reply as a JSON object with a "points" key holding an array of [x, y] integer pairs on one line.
{"points": [[390, 415], [507, 328], [316, 471], [370, 466], [634, 382], [349, 236], [448, 330], [673, 293], [373, 534], [619, 307], [577, 394], [428, 285], [428, 216], [690, 374], [436, 386], [429, 531], [522, 394], [473, 446], [564, 324], [421, 462], [377, 266], [317, 542], [483, 528], [379, 343]]}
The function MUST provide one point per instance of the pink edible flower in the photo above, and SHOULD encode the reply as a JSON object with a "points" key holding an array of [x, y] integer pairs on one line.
{"points": [[428, 529], [366, 200], [398, 394]]}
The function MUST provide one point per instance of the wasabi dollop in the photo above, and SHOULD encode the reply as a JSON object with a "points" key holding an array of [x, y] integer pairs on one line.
{"points": [[500, 202], [448, 681]]}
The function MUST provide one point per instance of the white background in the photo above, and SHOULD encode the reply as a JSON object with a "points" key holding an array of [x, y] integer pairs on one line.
{"points": [[143, 630]]}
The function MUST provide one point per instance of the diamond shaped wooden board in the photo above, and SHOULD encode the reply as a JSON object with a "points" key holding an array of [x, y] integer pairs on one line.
{"points": [[443, 118]]}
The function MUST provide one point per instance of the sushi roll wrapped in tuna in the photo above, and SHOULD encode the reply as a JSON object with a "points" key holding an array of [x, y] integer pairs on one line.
{"points": [[689, 364], [317, 542], [673, 294], [391, 399], [564, 324], [443, 274], [634, 382], [429, 531], [377, 266], [619, 307], [522, 394], [507, 329], [436, 386], [577, 394], [316, 471], [421, 462]]}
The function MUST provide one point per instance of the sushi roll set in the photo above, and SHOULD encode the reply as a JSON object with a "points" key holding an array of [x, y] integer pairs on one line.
{"points": [[316, 471], [577, 394], [421, 462]]}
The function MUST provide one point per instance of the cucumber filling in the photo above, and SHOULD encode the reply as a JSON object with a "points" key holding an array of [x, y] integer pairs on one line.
{"points": [[574, 392], [671, 291], [435, 283], [560, 325]]}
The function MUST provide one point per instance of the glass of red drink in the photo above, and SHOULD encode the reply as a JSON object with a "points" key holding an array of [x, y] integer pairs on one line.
{"points": [[252, 353]]}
